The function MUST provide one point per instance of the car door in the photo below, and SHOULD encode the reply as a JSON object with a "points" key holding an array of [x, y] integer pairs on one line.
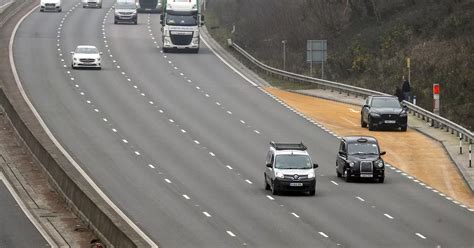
{"points": [[365, 110], [341, 160], [269, 170]]}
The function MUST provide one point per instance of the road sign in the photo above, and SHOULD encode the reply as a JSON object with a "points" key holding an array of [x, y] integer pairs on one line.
{"points": [[316, 52]]}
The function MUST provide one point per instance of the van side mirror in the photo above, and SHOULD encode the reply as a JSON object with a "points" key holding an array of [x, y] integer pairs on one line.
{"points": [[269, 165], [342, 154], [315, 165], [366, 106], [383, 153]]}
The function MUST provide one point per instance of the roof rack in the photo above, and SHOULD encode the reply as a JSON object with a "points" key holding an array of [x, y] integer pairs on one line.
{"points": [[288, 146]]}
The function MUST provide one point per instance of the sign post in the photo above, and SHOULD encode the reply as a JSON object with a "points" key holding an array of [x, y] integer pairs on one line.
{"points": [[409, 70], [316, 51]]}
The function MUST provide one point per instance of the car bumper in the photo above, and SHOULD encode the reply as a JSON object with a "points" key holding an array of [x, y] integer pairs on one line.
{"points": [[126, 18], [376, 173], [55, 8], [93, 65], [194, 44], [92, 5], [381, 122], [288, 185]]}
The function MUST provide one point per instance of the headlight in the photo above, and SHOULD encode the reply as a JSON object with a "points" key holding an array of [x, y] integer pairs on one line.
{"points": [[279, 174], [351, 164], [379, 163], [374, 114], [311, 174]]}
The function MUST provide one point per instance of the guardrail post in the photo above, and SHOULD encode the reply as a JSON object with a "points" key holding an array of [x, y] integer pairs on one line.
{"points": [[460, 143], [470, 155]]}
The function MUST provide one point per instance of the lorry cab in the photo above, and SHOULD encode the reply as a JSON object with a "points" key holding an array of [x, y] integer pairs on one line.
{"points": [[181, 21]]}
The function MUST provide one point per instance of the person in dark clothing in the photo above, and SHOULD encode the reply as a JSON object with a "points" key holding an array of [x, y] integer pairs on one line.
{"points": [[399, 94], [406, 89]]}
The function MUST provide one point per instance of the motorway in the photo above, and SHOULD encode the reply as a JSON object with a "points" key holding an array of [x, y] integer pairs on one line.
{"points": [[16, 227], [178, 142]]}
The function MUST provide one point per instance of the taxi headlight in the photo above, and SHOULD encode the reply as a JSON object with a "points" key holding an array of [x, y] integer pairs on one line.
{"points": [[351, 164], [311, 174], [379, 163], [279, 174]]}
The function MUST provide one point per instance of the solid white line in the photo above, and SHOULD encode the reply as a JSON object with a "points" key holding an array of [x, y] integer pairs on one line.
{"points": [[248, 181], [167, 180], [231, 234], [360, 198], [186, 197], [151, 166], [271, 198], [323, 234], [25, 210], [297, 216], [334, 183], [206, 214], [388, 216], [228, 64], [60, 147], [421, 236]]}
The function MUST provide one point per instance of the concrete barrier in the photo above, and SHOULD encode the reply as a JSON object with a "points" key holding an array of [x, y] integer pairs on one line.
{"points": [[81, 198]]}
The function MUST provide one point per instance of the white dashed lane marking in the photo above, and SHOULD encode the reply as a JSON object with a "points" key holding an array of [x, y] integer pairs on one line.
{"points": [[323, 234], [360, 198], [151, 166], [271, 198], [297, 216], [388, 216], [229, 167], [167, 180], [420, 235], [186, 197], [206, 214], [231, 234], [334, 183], [248, 181]]}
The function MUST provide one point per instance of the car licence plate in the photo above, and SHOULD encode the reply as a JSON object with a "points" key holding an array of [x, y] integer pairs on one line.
{"points": [[390, 121], [296, 184], [366, 175]]}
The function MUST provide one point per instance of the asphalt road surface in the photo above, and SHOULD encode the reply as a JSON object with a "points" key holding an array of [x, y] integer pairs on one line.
{"points": [[178, 142], [16, 230]]}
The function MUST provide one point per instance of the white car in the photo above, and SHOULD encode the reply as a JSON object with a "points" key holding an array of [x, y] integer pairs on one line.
{"points": [[92, 4], [50, 5], [86, 56]]}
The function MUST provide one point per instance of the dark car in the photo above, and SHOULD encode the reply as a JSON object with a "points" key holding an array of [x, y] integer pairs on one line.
{"points": [[383, 112], [360, 157]]}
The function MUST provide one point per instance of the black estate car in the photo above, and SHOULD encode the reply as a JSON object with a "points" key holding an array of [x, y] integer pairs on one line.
{"points": [[360, 157], [383, 111]]}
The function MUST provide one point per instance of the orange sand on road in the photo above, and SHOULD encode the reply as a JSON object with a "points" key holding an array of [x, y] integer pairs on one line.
{"points": [[411, 151]]}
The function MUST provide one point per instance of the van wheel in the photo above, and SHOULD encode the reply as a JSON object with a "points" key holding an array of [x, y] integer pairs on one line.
{"points": [[338, 173], [312, 192], [267, 187], [60, 9], [381, 180], [404, 128], [274, 191], [41, 10]]}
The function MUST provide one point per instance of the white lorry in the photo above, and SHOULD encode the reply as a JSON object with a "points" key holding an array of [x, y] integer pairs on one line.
{"points": [[50, 5], [181, 21]]}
